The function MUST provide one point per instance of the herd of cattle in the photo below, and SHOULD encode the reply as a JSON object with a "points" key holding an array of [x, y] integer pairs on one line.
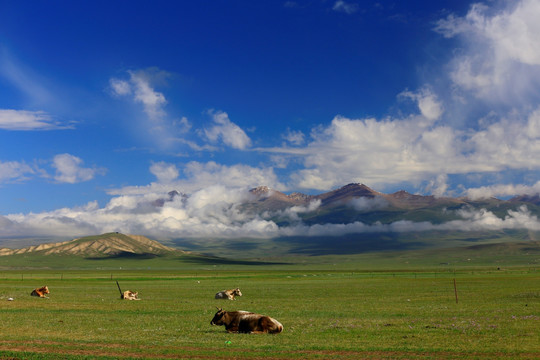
{"points": [[234, 321]]}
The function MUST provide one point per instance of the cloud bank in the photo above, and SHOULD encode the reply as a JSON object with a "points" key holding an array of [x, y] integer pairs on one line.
{"points": [[218, 212]]}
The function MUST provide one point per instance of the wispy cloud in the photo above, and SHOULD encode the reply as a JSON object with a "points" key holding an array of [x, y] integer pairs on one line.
{"points": [[345, 7], [14, 171], [156, 124], [139, 88], [25, 80], [294, 137], [23, 120]]}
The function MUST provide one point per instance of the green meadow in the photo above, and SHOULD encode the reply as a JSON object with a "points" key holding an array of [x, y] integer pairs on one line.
{"points": [[329, 311]]}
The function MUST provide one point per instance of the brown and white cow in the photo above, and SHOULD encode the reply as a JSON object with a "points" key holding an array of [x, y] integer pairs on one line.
{"points": [[127, 295], [40, 292], [246, 322], [130, 295], [229, 294]]}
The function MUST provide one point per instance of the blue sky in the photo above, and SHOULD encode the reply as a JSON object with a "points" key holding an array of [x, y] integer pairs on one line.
{"points": [[108, 105]]}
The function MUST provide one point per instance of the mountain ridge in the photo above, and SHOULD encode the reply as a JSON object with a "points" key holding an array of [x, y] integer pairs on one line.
{"points": [[400, 199], [108, 244]]}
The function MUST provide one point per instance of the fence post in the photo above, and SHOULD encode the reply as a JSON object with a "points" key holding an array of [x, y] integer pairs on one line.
{"points": [[455, 290]]}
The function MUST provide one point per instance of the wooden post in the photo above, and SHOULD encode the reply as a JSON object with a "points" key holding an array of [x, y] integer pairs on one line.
{"points": [[455, 290], [121, 293]]}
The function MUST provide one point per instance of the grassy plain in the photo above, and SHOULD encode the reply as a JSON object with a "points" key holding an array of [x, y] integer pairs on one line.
{"points": [[328, 311]]}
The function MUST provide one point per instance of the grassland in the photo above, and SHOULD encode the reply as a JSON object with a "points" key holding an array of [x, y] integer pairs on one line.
{"points": [[327, 313]]}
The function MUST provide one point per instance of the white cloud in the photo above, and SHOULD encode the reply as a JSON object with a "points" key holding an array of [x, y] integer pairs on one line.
{"points": [[120, 87], [429, 105], [502, 190], [69, 170], [206, 174], [438, 186], [342, 6], [390, 151], [216, 212], [196, 176], [140, 87], [291, 214], [373, 152], [165, 173], [230, 133], [294, 137], [501, 55], [28, 120], [14, 171]]}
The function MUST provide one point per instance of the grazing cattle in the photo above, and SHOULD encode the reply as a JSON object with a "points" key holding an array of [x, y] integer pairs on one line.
{"points": [[228, 294], [246, 322], [40, 292]]}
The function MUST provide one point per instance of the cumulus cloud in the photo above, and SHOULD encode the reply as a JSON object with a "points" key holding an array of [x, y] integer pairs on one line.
{"points": [[195, 176], [375, 152], [229, 133], [429, 105], [217, 212], [501, 54], [438, 186], [165, 173], [391, 150], [69, 169], [24, 120]]}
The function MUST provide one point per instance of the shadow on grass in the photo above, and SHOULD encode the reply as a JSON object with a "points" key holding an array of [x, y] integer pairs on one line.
{"points": [[125, 255], [225, 261], [348, 244]]}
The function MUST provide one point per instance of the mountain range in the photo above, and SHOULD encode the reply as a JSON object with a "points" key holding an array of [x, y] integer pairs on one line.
{"points": [[349, 220], [359, 203]]}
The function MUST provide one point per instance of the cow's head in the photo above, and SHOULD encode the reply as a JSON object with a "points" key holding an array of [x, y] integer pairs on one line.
{"points": [[237, 292], [44, 290], [218, 318]]}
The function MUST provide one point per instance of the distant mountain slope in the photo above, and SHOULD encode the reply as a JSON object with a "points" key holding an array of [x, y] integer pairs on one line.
{"points": [[270, 199], [100, 245]]}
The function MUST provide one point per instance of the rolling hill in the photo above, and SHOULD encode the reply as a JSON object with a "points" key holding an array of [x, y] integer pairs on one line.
{"points": [[106, 245]]}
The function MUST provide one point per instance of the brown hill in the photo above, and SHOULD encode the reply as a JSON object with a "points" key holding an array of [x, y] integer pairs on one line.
{"points": [[109, 244], [347, 193]]}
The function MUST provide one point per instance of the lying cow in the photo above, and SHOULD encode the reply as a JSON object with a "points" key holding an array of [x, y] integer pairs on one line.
{"points": [[127, 295], [130, 295], [246, 322], [228, 294], [40, 292]]}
